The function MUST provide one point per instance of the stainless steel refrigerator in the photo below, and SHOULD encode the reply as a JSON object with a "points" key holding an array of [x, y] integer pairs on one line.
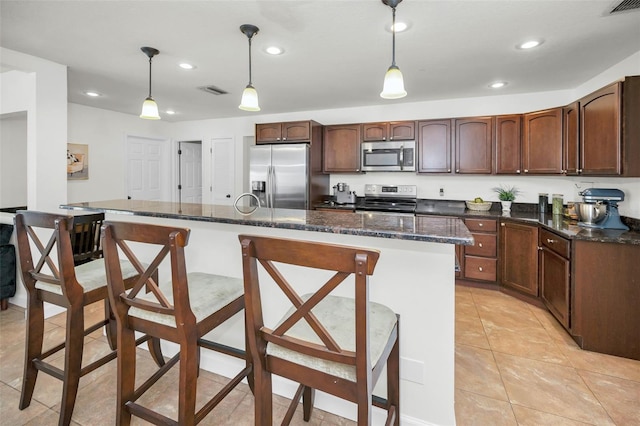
{"points": [[287, 176]]}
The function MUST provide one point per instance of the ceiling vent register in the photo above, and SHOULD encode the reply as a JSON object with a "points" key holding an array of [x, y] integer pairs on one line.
{"points": [[213, 90], [626, 5]]}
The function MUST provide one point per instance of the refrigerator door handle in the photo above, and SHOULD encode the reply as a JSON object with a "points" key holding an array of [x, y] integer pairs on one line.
{"points": [[268, 187], [274, 188]]}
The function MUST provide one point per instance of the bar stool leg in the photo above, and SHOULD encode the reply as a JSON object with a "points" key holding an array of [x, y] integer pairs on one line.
{"points": [[308, 397], [72, 362], [126, 374], [33, 349], [189, 358]]}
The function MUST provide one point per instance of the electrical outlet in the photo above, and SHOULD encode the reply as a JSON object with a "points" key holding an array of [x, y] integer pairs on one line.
{"points": [[442, 192]]}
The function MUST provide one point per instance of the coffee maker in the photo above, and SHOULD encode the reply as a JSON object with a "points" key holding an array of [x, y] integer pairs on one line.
{"points": [[610, 198], [343, 195]]}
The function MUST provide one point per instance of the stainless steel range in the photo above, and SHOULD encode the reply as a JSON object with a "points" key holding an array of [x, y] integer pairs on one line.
{"points": [[389, 198]]}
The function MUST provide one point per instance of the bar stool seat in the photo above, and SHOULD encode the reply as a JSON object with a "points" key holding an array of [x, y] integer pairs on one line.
{"points": [[338, 315], [208, 293]]}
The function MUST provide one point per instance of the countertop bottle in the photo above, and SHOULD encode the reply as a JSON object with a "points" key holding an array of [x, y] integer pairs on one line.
{"points": [[556, 204], [543, 201]]}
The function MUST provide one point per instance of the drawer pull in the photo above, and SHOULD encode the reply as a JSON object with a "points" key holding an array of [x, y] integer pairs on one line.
{"points": [[481, 224], [502, 224], [480, 268], [480, 245], [550, 241]]}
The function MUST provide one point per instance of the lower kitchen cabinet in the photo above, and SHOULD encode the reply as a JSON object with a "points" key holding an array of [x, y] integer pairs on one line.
{"points": [[555, 267], [519, 257], [605, 314], [481, 259]]}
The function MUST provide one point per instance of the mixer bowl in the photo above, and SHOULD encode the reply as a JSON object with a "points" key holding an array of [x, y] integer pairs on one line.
{"points": [[591, 213]]}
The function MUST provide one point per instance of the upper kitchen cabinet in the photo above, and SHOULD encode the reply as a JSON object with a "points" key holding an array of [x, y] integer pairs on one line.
{"points": [[474, 145], [571, 139], [288, 132], [542, 142], [508, 132], [610, 130], [434, 146], [342, 148], [392, 131]]}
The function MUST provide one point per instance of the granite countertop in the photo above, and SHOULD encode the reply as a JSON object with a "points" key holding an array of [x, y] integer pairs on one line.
{"points": [[447, 230], [563, 226]]}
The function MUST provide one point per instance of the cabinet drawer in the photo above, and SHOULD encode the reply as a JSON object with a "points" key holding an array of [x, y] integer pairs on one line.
{"points": [[555, 243], [485, 245], [482, 225], [480, 268]]}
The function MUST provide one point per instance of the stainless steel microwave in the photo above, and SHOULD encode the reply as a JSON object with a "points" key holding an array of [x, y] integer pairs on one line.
{"points": [[393, 156]]}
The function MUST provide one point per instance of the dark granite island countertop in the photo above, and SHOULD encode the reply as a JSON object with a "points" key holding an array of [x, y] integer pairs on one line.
{"points": [[447, 230]]}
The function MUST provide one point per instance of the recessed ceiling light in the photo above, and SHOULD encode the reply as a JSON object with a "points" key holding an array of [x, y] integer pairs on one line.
{"points": [[274, 50], [186, 66], [170, 111], [92, 93], [530, 44], [498, 84], [399, 27]]}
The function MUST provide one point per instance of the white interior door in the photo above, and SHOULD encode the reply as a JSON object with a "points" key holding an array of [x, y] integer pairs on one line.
{"points": [[148, 169], [223, 171], [190, 165]]}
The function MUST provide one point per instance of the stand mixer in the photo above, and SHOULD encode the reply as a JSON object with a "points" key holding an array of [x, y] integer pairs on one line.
{"points": [[610, 198]]}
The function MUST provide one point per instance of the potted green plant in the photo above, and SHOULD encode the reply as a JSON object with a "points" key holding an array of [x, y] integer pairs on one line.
{"points": [[506, 195]]}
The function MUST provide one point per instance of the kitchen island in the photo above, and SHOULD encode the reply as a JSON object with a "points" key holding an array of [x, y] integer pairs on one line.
{"points": [[414, 277]]}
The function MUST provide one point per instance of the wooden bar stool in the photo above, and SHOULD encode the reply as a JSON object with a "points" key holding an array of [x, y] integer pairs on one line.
{"points": [[335, 344], [55, 279], [181, 310]]}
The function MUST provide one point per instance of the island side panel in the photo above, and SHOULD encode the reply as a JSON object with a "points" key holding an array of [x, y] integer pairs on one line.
{"points": [[415, 279]]}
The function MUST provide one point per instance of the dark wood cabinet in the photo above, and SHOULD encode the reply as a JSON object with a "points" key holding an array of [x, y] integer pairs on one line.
{"points": [[571, 139], [393, 131], [287, 132], [519, 257], [508, 131], [542, 142], [434, 146], [481, 259], [342, 148], [600, 135], [605, 297], [474, 145], [555, 266]]}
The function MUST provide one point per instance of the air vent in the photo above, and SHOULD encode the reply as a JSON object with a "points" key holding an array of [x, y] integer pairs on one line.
{"points": [[626, 5], [213, 90]]}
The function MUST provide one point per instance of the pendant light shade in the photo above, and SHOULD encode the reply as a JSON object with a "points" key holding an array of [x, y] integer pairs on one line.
{"points": [[149, 107], [393, 87], [249, 100]]}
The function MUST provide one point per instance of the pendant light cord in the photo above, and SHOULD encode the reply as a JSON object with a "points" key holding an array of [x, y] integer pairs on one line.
{"points": [[250, 60], [393, 31], [150, 76]]}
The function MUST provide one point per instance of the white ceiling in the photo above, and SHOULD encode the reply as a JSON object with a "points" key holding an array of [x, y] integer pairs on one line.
{"points": [[336, 51]]}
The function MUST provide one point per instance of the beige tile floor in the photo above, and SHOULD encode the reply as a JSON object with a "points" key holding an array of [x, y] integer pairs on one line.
{"points": [[515, 365]]}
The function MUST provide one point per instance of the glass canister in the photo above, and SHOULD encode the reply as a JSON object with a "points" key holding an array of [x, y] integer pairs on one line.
{"points": [[556, 204], [543, 201]]}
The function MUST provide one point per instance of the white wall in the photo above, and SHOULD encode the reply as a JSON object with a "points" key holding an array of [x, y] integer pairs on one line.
{"points": [[39, 87], [105, 132], [13, 160]]}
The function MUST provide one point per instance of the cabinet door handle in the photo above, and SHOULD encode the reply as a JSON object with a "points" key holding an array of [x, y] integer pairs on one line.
{"points": [[277, 139], [481, 224], [550, 241], [457, 170], [480, 268], [518, 171], [540, 248], [579, 170], [480, 245], [502, 224], [526, 170], [448, 170], [284, 139]]}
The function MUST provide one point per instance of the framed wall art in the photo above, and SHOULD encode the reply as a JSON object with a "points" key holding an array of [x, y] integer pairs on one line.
{"points": [[77, 161]]}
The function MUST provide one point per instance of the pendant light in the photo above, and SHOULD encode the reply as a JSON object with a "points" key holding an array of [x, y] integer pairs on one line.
{"points": [[393, 87], [149, 107], [249, 95]]}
